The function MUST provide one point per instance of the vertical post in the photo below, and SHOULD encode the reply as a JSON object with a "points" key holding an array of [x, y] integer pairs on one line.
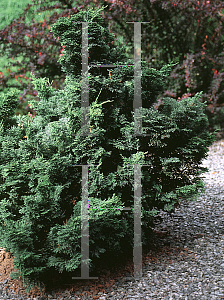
{"points": [[84, 132], [85, 82], [137, 79], [137, 222], [84, 226], [137, 105], [137, 252]]}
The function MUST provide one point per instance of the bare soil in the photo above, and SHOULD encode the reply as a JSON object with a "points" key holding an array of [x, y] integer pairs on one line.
{"points": [[107, 275], [6, 267]]}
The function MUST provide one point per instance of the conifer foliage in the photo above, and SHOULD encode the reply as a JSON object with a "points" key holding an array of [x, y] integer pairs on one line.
{"points": [[40, 208]]}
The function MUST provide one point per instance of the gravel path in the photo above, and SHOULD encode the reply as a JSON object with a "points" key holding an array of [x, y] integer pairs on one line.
{"points": [[195, 272]]}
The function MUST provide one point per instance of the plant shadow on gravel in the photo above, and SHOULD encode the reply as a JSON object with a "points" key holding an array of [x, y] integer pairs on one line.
{"points": [[109, 269]]}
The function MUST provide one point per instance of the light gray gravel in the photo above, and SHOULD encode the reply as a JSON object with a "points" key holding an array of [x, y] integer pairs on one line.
{"points": [[198, 227]]}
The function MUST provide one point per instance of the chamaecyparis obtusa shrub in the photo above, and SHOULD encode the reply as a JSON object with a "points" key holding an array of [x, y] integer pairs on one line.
{"points": [[40, 208]]}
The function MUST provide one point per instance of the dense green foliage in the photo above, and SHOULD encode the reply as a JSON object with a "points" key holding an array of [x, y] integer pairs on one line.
{"points": [[40, 186], [190, 31]]}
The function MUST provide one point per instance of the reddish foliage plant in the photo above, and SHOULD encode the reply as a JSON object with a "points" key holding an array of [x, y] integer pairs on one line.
{"points": [[40, 50]]}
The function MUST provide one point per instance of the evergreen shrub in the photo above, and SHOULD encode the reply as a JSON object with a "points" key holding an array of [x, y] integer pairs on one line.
{"points": [[40, 208]]}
